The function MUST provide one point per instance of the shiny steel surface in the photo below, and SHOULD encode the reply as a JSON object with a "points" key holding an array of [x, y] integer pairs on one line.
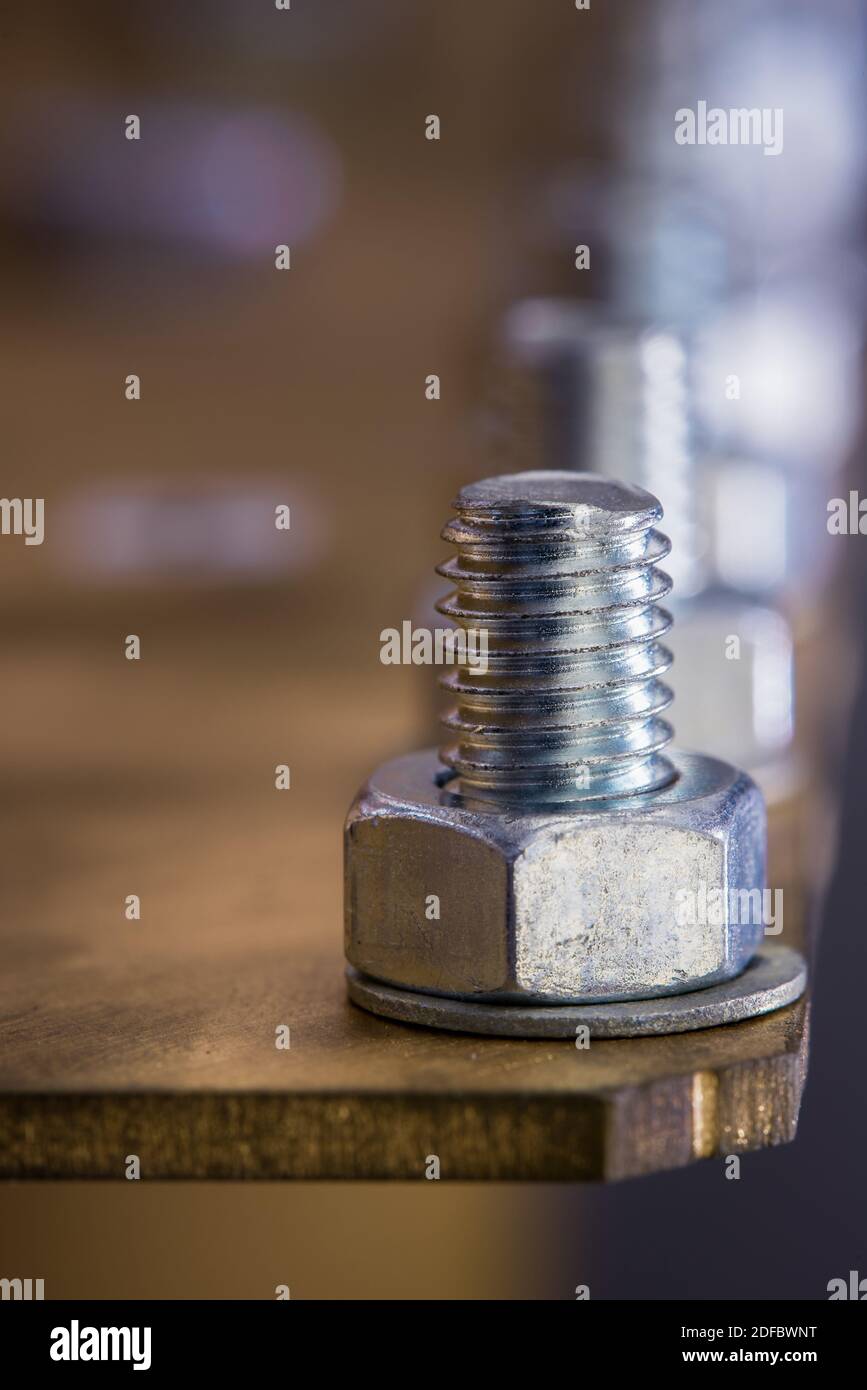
{"points": [[560, 570], [546, 856], [568, 904]]}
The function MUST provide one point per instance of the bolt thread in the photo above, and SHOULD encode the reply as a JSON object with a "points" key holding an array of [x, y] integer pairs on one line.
{"points": [[560, 571]]}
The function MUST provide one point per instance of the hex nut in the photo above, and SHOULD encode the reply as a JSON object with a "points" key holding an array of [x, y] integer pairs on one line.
{"points": [[500, 905]]}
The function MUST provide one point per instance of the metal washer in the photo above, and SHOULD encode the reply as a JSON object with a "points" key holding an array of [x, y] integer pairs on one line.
{"points": [[776, 976]]}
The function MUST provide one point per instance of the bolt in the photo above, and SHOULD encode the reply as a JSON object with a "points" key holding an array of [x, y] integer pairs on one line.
{"points": [[559, 569], [542, 858]]}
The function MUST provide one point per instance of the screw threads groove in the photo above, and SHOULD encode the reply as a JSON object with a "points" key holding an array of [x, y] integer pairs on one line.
{"points": [[560, 571]]}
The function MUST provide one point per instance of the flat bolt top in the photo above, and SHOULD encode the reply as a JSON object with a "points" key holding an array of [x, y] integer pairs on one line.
{"points": [[596, 502]]}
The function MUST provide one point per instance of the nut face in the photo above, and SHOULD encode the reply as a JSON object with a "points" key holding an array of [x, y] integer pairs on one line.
{"points": [[394, 862], [552, 907]]}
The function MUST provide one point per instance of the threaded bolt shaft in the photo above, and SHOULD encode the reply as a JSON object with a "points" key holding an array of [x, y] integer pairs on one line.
{"points": [[559, 569]]}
